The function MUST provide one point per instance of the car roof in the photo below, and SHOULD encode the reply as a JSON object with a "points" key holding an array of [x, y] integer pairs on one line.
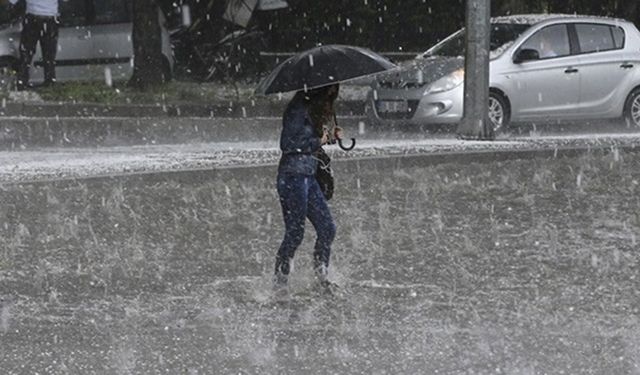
{"points": [[533, 19]]}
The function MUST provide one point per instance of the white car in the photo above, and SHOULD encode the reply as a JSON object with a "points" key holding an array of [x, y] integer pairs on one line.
{"points": [[94, 38], [542, 67]]}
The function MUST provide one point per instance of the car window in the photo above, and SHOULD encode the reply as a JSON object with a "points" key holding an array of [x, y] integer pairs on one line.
{"points": [[73, 13], [598, 37], [112, 11], [551, 41]]}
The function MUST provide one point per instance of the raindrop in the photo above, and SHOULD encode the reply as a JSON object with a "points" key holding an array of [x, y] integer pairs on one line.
{"points": [[186, 15], [375, 94], [5, 315], [108, 79], [310, 60], [540, 97], [244, 112], [579, 179], [361, 129], [616, 154], [348, 21]]}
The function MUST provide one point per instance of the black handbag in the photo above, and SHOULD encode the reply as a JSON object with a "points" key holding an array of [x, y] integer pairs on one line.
{"points": [[324, 174]]}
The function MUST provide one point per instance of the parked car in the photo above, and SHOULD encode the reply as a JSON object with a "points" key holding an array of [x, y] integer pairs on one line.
{"points": [[93, 35], [542, 67]]}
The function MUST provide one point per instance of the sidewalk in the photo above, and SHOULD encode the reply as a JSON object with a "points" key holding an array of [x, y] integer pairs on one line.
{"points": [[72, 163]]}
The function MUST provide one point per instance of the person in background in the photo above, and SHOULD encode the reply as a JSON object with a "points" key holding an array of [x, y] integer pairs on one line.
{"points": [[300, 194], [40, 24]]}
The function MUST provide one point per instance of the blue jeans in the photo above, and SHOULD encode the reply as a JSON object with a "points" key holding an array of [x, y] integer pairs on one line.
{"points": [[301, 198]]}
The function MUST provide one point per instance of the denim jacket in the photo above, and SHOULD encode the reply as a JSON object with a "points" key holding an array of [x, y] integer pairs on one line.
{"points": [[298, 140]]}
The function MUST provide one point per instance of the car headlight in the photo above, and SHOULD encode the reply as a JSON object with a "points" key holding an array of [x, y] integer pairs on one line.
{"points": [[446, 83]]}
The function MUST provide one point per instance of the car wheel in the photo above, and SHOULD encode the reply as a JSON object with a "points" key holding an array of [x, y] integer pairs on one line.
{"points": [[498, 112], [632, 109]]}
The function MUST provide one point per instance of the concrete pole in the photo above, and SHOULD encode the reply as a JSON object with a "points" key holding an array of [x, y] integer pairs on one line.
{"points": [[475, 122]]}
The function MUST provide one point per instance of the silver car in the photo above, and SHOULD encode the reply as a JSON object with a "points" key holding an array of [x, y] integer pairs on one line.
{"points": [[94, 41], [542, 67]]}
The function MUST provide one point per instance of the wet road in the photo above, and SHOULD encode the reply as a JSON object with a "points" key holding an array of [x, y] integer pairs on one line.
{"points": [[516, 265]]}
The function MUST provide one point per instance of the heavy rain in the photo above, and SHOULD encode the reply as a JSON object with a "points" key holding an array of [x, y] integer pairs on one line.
{"points": [[140, 197]]}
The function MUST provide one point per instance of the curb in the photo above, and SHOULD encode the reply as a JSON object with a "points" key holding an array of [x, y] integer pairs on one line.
{"points": [[347, 166]]}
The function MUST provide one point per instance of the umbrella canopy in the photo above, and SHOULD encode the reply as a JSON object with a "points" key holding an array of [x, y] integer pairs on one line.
{"points": [[322, 66]]}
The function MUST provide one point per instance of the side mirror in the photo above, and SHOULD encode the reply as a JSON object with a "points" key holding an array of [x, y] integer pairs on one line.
{"points": [[526, 54]]}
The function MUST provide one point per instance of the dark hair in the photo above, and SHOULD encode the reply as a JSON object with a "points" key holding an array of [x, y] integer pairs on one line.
{"points": [[328, 93]]}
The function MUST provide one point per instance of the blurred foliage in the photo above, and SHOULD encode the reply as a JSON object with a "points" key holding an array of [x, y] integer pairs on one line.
{"points": [[172, 92], [382, 25]]}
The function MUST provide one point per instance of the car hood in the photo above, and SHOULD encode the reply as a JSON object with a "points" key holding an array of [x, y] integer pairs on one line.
{"points": [[419, 72]]}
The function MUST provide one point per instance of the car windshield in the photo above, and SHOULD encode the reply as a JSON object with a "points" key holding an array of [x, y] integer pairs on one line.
{"points": [[502, 36]]}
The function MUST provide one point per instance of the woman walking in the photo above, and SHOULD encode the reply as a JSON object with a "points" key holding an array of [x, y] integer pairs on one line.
{"points": [[301, 197]]}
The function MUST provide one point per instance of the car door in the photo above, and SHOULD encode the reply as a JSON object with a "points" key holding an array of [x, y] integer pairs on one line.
{"points": [[603, 67], [75, 44], [548, 86], [112, 43]]}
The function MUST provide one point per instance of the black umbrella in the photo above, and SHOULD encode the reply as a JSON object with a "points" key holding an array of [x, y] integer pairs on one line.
{"points": [[323, 66]]}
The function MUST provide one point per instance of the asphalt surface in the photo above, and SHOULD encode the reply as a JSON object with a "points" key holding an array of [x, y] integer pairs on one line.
{"points": [[512, 256], [449, 261]]}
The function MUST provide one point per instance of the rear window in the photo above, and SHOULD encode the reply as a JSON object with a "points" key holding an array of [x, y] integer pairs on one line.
{"points": [[598, 37]]}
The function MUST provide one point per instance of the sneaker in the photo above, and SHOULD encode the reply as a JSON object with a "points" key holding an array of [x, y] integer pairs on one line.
{"points": [[322, 277], [281, 275], [328, 287], [280, 280], [322, 272]]}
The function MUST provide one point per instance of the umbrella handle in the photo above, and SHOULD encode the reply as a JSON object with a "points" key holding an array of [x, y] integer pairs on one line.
{"points": [[353, 140], [347, 148]]}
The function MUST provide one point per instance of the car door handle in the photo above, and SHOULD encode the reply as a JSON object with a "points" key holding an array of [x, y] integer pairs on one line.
{"points": [[626, 66], [571, 70]]}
